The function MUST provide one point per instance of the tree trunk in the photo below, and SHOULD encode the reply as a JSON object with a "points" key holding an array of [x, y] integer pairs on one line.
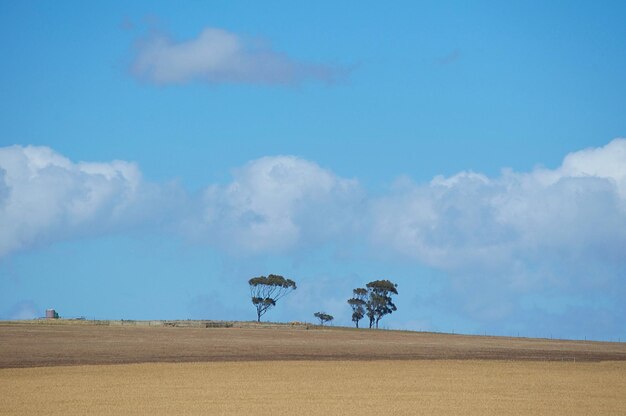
{"points": [[258, 316], [357, 323]]}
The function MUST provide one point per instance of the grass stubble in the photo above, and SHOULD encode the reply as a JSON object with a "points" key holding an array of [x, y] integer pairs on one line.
{"points": [[82, 368], [398, 387]]}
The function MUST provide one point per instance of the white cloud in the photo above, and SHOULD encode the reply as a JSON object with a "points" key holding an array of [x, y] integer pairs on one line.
{"points": [[518, 233], [470, 217], [275, 204], [558, 235], [219, 56], [468, 221], [574, 214], [44, 197]]}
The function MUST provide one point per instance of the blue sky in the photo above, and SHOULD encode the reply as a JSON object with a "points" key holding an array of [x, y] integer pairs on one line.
{"points": [[154, 156]]}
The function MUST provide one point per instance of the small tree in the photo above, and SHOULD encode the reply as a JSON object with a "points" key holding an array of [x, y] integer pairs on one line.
{"points": [[323, 317], [357, 303], [379, 302], [266, 291]]}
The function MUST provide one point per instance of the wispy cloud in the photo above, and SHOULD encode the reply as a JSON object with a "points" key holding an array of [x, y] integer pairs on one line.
{"points": [[450, 58], [218, 56], [24, 309]]}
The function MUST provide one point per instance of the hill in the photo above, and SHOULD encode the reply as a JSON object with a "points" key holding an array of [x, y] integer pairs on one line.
{"points": [[64, 342]]}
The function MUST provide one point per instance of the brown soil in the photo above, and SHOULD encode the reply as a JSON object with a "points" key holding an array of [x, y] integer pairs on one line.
{"points": [[32, 344]]}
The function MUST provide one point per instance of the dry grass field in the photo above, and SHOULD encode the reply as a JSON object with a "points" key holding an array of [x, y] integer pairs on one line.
{"points": [[70, 368], [67, 343], [318, 388]]}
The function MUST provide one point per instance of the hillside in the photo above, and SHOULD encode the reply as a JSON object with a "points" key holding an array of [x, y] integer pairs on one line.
{"points": [[53, 343]]}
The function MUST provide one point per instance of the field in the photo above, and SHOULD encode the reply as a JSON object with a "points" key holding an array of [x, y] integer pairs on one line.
{"points": [[284, 369], [72, 343], [318, 388]]}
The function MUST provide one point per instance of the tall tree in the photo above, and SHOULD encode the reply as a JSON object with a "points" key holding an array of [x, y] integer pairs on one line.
{"points": [[379, 302], [357, 302], [323, 317], [266, 291]]}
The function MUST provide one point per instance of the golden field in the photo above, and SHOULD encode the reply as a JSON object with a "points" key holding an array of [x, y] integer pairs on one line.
{"points": [[216, 368], [429, 387]]}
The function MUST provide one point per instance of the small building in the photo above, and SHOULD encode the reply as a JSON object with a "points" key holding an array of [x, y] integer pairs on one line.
{"points": [[51, 314]]}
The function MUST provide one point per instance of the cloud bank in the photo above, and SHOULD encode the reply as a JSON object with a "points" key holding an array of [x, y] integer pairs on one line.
{"points": [[44, 197], [217, 56], [553, 237], [471, 220], [280, 202], [560, 232]]}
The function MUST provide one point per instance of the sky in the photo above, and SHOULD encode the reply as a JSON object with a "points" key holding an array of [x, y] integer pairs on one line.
{"points": [[154, 156]]}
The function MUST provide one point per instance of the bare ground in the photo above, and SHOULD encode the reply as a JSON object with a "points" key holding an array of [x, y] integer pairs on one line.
{"points": [[40, 344]]}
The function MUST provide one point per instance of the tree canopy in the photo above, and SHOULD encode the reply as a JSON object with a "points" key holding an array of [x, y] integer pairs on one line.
{"points": [[265, 291], [379, 302], [323, 317], [357, 302]]}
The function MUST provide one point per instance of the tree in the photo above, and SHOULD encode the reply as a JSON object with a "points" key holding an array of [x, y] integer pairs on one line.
{"points": [[323, 317], [357, 303], [266, 291], [379, 302]]}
